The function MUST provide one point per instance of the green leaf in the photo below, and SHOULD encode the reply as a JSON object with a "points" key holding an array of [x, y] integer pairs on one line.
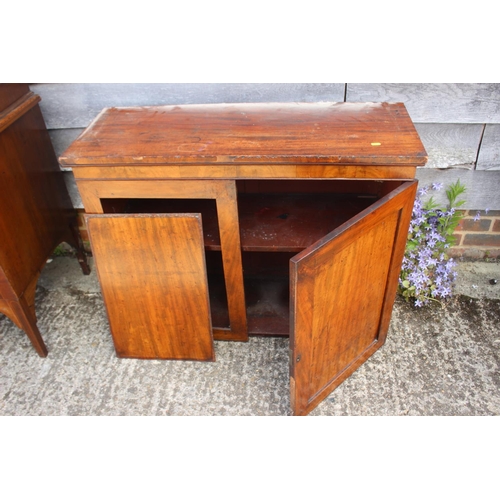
{"points": [[411, 245]]}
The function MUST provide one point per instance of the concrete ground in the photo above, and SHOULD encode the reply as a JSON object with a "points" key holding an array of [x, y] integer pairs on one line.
{"points": [[436, 361]]}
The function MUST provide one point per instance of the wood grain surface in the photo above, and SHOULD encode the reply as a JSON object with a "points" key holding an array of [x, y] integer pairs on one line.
{"points": [[35, 210], [342, 292], [224, 194], [272, 133], [153, 278], [11, 92], [20, 107]]}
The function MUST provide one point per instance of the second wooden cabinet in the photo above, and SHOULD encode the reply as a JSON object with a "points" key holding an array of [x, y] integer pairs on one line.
{"points": [[219, 222]]}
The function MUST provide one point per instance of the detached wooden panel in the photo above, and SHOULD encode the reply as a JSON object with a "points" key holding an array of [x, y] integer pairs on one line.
{"points": [[436, 102], [342, 292], [153, 278]]}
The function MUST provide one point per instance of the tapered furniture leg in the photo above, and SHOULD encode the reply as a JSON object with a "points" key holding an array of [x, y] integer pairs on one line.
{"points": [[26, 320], [76, 241]]}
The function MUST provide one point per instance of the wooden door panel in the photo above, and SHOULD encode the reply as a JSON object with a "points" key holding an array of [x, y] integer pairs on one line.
{"points": [[342, 292], [153, 278]]}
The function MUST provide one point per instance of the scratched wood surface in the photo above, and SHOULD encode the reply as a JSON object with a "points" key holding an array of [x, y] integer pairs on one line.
{"points": [[272, 133], [153, 279], [448, 145]]}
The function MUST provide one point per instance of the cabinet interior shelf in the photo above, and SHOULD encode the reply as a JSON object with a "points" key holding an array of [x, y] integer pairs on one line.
{"points": [[268, 222], [267, 304]]}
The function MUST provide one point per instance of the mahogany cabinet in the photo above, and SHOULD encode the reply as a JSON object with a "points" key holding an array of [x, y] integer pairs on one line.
{"points": [[222, 221], [36, 213]]}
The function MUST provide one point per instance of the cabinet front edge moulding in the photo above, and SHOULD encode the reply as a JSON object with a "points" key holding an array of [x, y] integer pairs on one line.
{"points": [[154, 172]]}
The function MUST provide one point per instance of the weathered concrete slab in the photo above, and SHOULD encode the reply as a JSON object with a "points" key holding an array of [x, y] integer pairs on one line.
{"points": [[474, 280]]}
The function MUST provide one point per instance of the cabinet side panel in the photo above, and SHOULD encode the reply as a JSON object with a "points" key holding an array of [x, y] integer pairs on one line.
{"points": [[34, 204], [153, 278], [11, 92]]}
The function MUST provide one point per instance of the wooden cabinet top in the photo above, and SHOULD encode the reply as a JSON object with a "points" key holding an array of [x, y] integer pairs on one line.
{"points": [[272, 133]]}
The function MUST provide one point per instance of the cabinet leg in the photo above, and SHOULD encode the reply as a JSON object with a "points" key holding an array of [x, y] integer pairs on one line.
{"points": [[26, 320], [78, 244]]}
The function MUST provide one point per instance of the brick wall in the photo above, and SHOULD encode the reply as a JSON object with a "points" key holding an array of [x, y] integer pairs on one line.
{"points": [[479, 238]]}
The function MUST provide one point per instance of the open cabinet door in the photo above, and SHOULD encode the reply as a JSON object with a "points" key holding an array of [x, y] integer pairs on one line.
{"points": [[153, 279], [342, 290]]}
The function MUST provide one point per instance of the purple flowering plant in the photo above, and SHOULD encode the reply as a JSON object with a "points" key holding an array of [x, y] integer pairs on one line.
{"points": [[427, 273]]}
